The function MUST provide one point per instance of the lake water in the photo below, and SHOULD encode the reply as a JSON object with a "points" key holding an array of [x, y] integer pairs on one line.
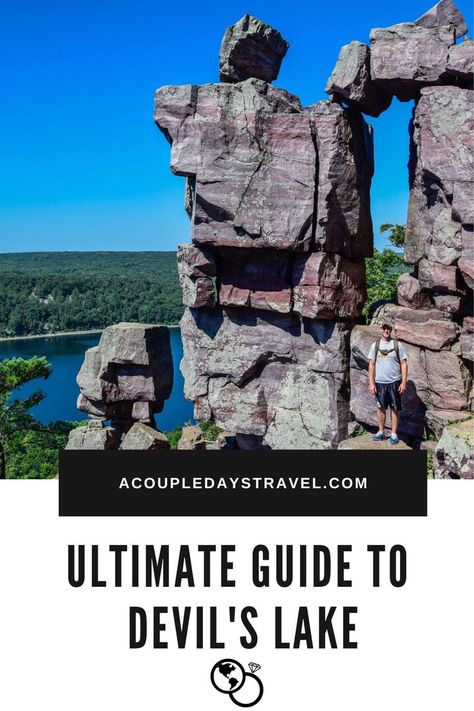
{"points": [[66, 354]]}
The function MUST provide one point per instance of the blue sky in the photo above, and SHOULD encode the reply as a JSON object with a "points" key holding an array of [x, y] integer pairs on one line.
{"points": [[82, 164]]}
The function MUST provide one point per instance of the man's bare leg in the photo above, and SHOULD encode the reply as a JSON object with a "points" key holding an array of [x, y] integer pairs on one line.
{"points": [[381, 416], [395, 416]]}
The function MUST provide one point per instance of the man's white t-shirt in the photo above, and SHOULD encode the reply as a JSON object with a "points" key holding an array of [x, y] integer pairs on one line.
{"points": [[387, 366]]}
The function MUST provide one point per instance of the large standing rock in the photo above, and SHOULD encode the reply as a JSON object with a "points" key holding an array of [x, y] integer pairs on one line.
{"points": [[254, 155], [342, 219], [408, 56], [441, 176], [278, 196], [132, 363], [455, 451], [350, 79], [251, 48]]}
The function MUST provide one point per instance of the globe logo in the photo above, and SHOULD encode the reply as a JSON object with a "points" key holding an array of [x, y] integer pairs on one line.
{"points": [[243, 688], [227, 676]]}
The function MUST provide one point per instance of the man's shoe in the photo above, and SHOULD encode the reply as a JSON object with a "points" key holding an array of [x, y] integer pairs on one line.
{"points": [[379, 437], [394, 439]]}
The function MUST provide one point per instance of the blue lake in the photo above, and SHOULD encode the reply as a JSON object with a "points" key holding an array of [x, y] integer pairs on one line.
{"points": [[66, 353]]}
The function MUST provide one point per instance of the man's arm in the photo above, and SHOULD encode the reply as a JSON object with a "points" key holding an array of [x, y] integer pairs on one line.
{"points": [[372, 387], [404, 369]]}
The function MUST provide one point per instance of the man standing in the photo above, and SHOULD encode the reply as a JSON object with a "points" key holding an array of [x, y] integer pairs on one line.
{"points": [[388, 372]]}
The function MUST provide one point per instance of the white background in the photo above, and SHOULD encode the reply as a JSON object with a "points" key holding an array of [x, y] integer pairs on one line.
{"points": [[65, 649]]}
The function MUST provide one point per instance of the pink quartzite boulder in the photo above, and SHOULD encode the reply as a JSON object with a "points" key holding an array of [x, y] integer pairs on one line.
{"points": [[441, 206], [411, 294], [342, 219], [251, 48], [435, 276], [268, 375], [350, 80], [406, 57], [444, 13], [252, 155], [426, 328], [132, 363]]}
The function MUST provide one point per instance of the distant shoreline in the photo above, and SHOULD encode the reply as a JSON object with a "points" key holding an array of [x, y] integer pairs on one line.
{"points": [[61, 333]]}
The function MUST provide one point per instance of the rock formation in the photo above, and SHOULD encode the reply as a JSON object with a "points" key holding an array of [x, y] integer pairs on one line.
{"points": [[125, 379], [278, 197], [433, 318], [274, 280]]}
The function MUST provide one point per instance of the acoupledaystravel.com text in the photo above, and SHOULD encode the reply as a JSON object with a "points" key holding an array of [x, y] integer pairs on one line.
{"points": [[242, 482]]}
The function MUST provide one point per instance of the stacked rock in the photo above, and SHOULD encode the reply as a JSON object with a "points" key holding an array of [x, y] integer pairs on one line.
{"points": [[403, 59], [125, 379], [278, 197], [420, 60]]}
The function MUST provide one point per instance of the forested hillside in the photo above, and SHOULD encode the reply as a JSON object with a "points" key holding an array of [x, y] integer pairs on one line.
{"points": [[45, 292]]}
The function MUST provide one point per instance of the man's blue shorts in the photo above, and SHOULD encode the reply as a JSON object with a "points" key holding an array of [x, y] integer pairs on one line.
{"points": [[388, 396]]}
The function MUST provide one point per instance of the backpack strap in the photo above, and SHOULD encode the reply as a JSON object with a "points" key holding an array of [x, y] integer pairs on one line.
{"points": [[377, 346], [396, 348]]}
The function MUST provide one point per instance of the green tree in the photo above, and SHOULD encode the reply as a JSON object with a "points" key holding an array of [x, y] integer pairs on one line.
{"points": [[14, 415], [384, 268], [396, 235], [34, 453]]}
